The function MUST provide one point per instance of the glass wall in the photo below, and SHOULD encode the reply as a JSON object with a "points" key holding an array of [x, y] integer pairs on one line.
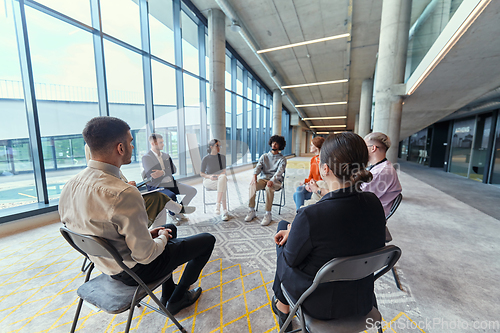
{"points": [[495, 174], [461, 146], [428, 20], [142, 67]]}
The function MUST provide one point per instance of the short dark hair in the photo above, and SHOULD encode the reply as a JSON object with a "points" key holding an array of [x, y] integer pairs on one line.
{"points": [[279, 140], [153, 137], [102, 134], [346, 155]]}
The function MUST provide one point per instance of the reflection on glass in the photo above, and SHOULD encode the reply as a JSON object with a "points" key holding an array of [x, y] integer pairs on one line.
{"points": [[165, 107], [17, 184], [495, 175], [228, 73], [240, 148], [229, 137], [77, 9], [190, 59], [66, 90], [192, 113], [461, 145], [161, 29], [428, 20], [120, 19], [126, 99], [239, 80], [480, 147], [418, 150]]}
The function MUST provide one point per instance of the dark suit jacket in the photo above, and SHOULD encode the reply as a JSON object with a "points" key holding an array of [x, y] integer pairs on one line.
{"points": [[342, 223], [150, 162]]}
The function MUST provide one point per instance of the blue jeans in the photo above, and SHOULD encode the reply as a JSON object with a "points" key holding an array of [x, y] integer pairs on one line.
{"points": [[301, 195]]}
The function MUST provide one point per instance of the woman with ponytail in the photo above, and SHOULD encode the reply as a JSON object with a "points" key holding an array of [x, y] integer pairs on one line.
{"points": [[213, 170], [345, 222]]}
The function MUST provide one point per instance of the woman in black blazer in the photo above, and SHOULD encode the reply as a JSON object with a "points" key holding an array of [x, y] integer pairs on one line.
{"points": [[344, 222]]}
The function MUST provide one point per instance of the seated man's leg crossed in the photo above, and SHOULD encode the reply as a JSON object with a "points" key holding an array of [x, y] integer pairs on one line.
{"points": [[98, 202]]}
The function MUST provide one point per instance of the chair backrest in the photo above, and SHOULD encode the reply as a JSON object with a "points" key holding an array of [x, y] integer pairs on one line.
{"points": [[92, 245], [395, 205], [360, 266]]}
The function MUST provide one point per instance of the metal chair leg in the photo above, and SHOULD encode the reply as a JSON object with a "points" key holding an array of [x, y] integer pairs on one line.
{"points": [[77, 314], [396, 278]]}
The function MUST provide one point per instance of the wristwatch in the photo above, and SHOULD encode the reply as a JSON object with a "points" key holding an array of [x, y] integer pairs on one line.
{"points": [[319, 192]]}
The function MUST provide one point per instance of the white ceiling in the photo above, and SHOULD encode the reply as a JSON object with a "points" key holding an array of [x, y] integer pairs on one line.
{"points": [[468, 71]]}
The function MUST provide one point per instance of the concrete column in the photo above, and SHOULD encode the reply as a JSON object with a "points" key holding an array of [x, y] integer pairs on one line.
{"points": [[356, 124], [365, 107], [216, 73], [277, 109], [298, 139], [393, 47]]}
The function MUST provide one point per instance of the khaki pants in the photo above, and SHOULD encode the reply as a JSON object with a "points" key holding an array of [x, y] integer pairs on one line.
{"points": [[219, 185], [260, 185], [154, 202]]}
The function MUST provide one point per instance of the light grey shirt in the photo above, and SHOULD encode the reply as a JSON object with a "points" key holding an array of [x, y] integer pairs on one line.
{"points": [[97, 202], [271, 167]]}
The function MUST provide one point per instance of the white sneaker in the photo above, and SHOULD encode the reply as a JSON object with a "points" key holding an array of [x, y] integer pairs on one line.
{"points": [[250, 216], [225, 216], [217, 210], [267, 219]]}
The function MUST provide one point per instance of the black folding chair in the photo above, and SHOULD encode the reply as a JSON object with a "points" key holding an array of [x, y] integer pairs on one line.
{"points": [[282, 197], [388, 236], [105, 293], [344, 269]]}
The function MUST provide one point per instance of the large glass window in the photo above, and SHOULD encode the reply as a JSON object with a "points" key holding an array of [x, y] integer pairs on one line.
{"points": [[461, 146], [228, 73], [190, 59], [229, 136], [77, 9], [126, 98], [126, 25], [481, 147], [165, 107], [240, 145], [495, 175], [161, 29], [192, 114], [66, 91], [17, 184], [428, 20]]}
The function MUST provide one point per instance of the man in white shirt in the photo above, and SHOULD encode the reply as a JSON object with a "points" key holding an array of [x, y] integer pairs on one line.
{"points": [[159, 166], [97, 202]]}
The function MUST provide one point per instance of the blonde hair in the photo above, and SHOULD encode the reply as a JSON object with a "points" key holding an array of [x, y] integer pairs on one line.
{"points": [[380, 138]]}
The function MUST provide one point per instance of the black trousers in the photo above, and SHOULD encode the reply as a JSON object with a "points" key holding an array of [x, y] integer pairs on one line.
{"points": [[282, 225], [193, 250]]}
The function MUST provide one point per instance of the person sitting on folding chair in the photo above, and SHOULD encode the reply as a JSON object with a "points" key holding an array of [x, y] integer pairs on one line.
{"points": [[271, 167], [159, 166], [385, 183], [213, 171], [155, 201], [345, 222], [97, 202]]}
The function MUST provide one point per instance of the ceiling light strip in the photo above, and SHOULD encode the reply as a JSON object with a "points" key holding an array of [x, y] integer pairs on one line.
{"points": [[314, 84], [449, 45], [320, 104], [304, 43], [328, 126], [324, 118]]}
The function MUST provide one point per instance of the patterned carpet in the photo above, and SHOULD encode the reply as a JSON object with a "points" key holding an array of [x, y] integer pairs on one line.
{"points": [[39, 275]]}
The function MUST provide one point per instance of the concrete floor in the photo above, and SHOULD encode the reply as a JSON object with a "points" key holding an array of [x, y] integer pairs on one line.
{"points": [[448, 268]]}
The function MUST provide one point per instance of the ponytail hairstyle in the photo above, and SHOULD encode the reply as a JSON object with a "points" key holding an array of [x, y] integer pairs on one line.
{"points": [[211, 143], [346, 155]]}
